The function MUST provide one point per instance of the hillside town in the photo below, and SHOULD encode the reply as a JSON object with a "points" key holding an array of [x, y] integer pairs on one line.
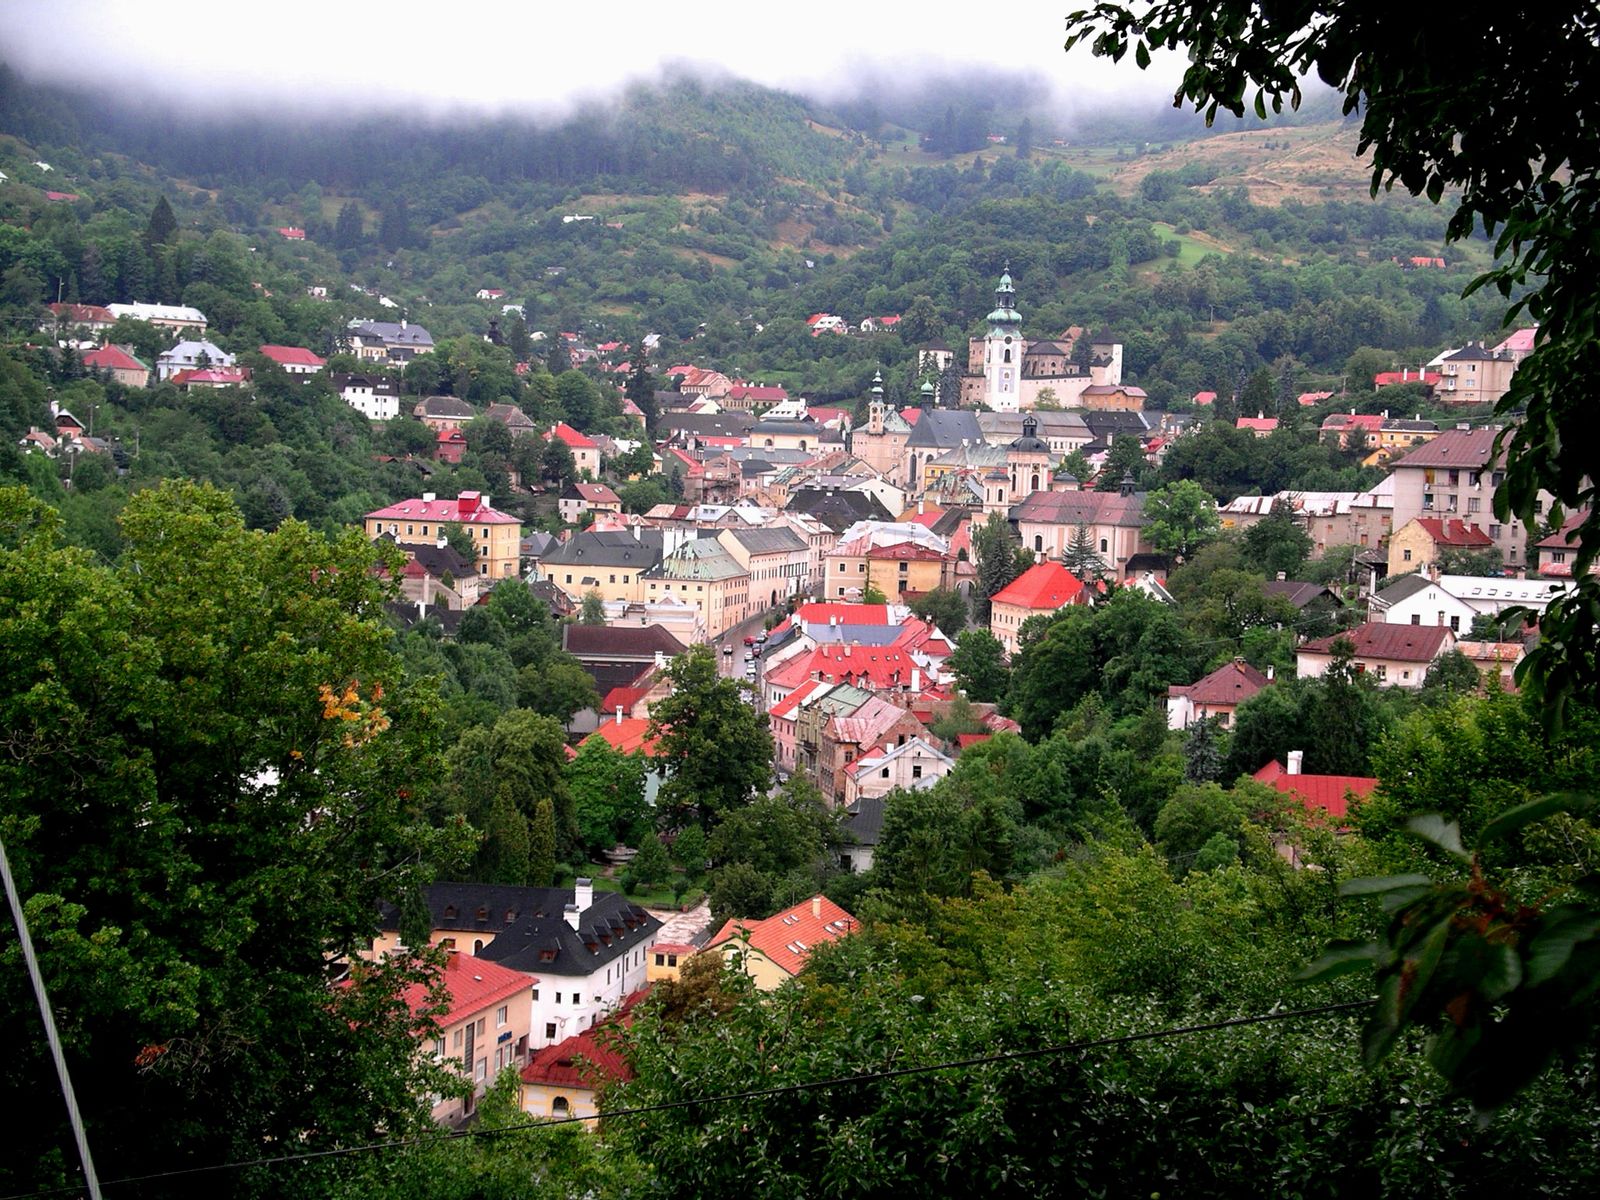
{"points": [[689, 638]]}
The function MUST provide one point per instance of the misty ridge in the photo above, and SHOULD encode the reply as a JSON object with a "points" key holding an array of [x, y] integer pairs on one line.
{"points": [[693, 126]]}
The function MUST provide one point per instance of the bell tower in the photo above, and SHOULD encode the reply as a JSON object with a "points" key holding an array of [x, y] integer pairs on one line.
{"points": [[1002, 349]]}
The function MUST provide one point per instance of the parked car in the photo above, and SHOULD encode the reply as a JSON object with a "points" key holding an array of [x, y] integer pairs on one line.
{"points": [[750, 641], [727, 647]]}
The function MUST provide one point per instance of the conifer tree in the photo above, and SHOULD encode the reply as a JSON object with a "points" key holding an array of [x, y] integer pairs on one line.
{"points": [[542, 844], [163, 224]]}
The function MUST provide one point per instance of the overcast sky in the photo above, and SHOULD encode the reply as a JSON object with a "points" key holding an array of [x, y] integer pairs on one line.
{"points": [[536, 57]]}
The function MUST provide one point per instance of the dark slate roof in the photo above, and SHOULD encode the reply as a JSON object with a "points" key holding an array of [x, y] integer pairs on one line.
{"points": [[805, 426], [530, 928], [722, 424], [1299, 592], [558, 602], [944, 428], [447, 406], [1108, 424], [836, 509], [615, 548], [622, 641], [409, 615], [769, 541], [863, 821], [436, 560], [1405, 587]]}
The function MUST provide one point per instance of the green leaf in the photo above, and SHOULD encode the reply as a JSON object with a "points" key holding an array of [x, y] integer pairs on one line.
{"points": [[1424, 964], [1141, 55], [1552, 947], [1503, 973], [1535, 810], [1376, 885], [1340, 959], [1444, 834]]}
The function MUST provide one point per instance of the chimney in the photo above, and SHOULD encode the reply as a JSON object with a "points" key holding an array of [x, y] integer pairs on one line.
{"points": [[583, 893], [571, 915], [1269, 673], [816, 907], [441, 542], [1283, 576], [1296, 757], [429, 497], [619, 714]]}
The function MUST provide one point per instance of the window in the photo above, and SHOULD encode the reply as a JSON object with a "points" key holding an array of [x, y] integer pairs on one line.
{"points": [[558, 997], [1405, 556], [559, 1107], [500, 1015], [884, 774], [477, 946], [1381, 671], [447, 943], [550, 1031], [1104, 545], [577, 999], [483, 1026], [1416, 618], [916, 771], [1474, 503], [661, 960], [536, 995], [457, 1043], [482, 1071], [672, 960]]}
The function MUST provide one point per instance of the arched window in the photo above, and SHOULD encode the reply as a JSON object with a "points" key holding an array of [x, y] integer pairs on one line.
{"points": [[1038, 542], [1008, 355], [477, 946], [1103, 546], [559, 1107], [1034, 485]]}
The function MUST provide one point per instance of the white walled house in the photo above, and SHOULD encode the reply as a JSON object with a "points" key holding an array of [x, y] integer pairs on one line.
{"points": [[911, 766], [1392, 655]]}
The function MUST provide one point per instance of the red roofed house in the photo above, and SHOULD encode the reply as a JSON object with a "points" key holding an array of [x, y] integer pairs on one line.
{"points": [[449, 445], [1394, 655], [774, 951], [1351, 428], [211, 378], [626, 735], [1312, 399], [1261, 425], [484, 1028], [1559, 551], [563, 1080], [63, 197], [292, 233], [585, 454], [1428, 379], [496, 535], [294, 360], [1203, 398], [580, 498], [1330, 794], [1418, 544], [1045, 587], [747, 396], [123, 367], [1218, 694], [90, 317]]}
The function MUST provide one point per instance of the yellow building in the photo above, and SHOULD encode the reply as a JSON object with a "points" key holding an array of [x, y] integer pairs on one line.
{"points": [[895, 557], [774, 951], [705, 575], [496, 536]]}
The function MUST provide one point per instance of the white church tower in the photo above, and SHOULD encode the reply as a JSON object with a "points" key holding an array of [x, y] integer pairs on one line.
{"points": [[1002, 350]]}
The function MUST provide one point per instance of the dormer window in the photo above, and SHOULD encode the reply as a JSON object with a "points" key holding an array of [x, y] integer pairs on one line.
{"points": [[449, 912], [483, 913]]}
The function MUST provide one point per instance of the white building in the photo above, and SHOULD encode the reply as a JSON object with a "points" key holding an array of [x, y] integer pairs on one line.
{"points": [[911, 766], [374, 397], [191, 356], [168, 316]]}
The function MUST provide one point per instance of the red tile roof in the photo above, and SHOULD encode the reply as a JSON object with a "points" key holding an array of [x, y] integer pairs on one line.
{"points": [[585, 1060], [469, 506], [1447, 531], [631, 735], [843, 614], [473, 984], [112, 358], [1231, 683], [293, 356], [293, 233], [1266, 424], [1388, 378], [1204, 398], [1045, 586], [786, 939], [1326, 793], [1397, 643], [572, 437], [84, 314]]}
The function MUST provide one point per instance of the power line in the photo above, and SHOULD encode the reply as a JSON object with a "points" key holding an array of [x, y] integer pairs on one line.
{"points": [[785, 1089]]}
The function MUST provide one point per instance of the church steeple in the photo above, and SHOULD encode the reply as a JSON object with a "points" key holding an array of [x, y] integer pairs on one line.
{"points": [[1003, 349], [875, 409]]}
